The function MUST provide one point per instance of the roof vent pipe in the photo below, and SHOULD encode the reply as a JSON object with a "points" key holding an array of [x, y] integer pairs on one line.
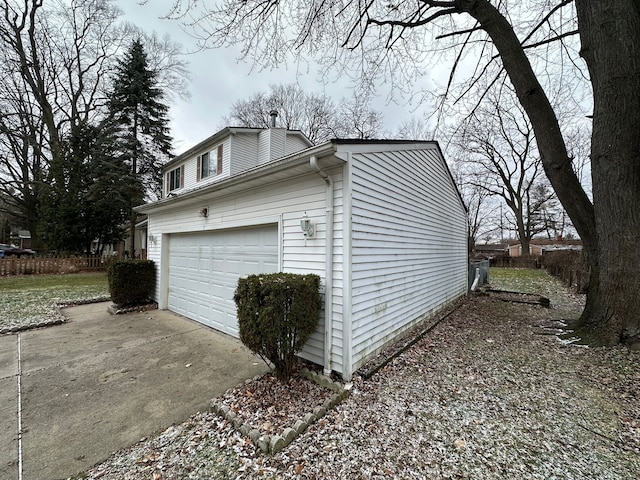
{"points": [[273, 114]]}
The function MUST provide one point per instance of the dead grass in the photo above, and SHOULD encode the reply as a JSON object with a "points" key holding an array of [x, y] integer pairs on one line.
{"points": [[482, 396], [31, 299]]}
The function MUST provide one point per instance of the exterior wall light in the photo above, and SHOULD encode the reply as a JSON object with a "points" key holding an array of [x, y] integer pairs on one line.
{"points": [[204, 212], [152, 239], [306, 226]]}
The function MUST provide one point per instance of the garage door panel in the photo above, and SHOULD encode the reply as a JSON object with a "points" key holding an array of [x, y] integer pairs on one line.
{"points": [[204, 269]]}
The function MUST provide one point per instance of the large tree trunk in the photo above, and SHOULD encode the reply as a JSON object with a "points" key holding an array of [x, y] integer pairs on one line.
{"points": [[610, 36], [553, 151], [610, 230], [525, 241]]}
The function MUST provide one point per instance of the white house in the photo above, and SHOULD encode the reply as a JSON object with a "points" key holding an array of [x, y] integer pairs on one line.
{"points": [[387, 233]]}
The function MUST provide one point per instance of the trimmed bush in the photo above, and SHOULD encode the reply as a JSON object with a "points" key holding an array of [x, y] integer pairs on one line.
{"points": [[131, 282], [277, 313]]}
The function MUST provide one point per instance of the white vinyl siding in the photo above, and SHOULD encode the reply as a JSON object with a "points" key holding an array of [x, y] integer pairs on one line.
{"points": [[243, 148], [284, 200], [399, 231], [271, 144], [241, 151], [294, 143], [409, 244], [191, 176], [307, 255]]}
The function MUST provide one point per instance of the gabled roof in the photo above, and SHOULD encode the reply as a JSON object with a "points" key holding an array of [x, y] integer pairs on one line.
{"points": [[490, 247], [371, 145], [280, 169], [222, 134], [329, 155]]}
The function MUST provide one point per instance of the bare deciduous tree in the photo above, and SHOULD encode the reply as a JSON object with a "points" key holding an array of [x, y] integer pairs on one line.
{"points": [[414, 129], [56, 66], [536, 45], [317, 116], [53, 63], [23, 164], [479, 204], [497, 146]]}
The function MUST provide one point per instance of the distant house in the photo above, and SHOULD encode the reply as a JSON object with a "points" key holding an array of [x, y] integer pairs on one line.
{"points": [[140, 247], [490, 250], [24, 238], [123, 249], [380, 221], [539, 246]]}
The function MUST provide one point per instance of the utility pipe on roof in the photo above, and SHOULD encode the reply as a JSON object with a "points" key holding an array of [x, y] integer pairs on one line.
{"points": [[328, 274]]}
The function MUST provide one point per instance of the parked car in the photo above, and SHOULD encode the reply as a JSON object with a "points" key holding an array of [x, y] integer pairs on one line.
{"points": [[9, 250]]}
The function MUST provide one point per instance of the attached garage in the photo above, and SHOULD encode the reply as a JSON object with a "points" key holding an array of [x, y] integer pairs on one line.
{"points": [[204, 268], [381, 222]]}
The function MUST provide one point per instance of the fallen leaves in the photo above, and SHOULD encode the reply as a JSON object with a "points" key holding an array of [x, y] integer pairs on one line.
{"points": [[271, 405], [460, 444], [481, 396]]}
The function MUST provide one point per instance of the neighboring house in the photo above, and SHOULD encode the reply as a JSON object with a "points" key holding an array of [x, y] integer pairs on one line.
{"points": [[538, 246], [385, 229], [489, 250], [124, 248], [24, 237]]}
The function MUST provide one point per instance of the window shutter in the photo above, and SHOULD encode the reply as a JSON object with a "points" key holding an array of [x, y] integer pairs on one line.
{"points": [[199, 174], [167, 185], [219, 165], [181, 177]]}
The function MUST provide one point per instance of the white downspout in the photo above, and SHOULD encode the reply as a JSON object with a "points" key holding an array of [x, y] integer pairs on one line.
{"points": [[476, 280], [328, 273]]}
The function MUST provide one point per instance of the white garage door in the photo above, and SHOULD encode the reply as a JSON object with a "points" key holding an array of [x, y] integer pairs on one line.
{"points": [[204, 269]]}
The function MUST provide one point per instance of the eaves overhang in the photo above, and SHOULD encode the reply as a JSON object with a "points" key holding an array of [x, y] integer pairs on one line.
{"points": [[267, 173]]}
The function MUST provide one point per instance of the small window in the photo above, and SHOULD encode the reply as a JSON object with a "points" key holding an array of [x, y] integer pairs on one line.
{"points": [[210, 163], [207, 165], [174, 179]]}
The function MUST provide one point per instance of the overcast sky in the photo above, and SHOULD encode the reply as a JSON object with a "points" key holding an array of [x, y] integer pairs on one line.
{"points": [[218, 80]]}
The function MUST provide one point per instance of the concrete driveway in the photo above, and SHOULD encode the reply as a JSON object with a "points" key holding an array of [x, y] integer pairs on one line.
{"points": [[102, 382]]}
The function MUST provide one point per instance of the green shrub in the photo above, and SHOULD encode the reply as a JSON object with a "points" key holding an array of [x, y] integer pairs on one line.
{"points": [[131, 282], [277, 313]]}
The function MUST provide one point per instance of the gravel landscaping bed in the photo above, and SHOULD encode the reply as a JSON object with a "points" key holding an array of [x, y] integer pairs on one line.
{"points": [[481, 396]]}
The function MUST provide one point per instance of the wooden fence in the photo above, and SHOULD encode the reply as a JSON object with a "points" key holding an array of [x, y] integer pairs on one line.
{"points": [[39, 265], [574, 278], [570, 266]]}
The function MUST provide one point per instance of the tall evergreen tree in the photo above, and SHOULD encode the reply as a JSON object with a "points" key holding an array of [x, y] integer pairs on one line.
{"points": [[111, 186], [93, 200], [136, 106]]}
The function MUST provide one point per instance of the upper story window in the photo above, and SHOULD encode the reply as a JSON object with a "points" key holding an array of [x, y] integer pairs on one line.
{"points": [[175, 179], [210, 163]]}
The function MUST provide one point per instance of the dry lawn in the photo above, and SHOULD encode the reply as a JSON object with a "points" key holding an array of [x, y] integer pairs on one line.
{"points": [[484, 395]]}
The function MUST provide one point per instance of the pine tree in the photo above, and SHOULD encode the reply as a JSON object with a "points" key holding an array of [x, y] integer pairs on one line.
{"points": [[140, 115], [111, 186], [93, 199]]}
